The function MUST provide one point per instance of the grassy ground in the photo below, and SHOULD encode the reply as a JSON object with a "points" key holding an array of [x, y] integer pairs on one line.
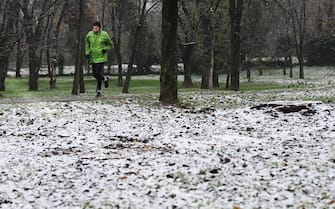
{"points": [[18, 87]]}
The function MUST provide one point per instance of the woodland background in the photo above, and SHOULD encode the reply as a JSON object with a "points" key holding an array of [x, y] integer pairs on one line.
{"points": [[214, 37]]}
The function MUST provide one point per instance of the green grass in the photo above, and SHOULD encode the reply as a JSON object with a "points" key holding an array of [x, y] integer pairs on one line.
{"points": [[261, 87], [144, 86], [18, 87]]}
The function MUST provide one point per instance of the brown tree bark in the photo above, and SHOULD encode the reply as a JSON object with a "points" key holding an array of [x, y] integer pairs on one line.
{"points": [[19, 49], [133, 51], [301, 43], [297, 12], [33, 40], [53, 59], [208, 41], [188, 49], [9, 17], [78, 75], [235, 14], [117, 18], [3, 70], [189, 32], [168, 75]]}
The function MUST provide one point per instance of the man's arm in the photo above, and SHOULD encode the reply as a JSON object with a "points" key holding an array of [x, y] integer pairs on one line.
{"points": [[87, 45]]}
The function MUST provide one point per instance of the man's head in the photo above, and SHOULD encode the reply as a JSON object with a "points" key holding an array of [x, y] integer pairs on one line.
{"points": [[96, 26]]}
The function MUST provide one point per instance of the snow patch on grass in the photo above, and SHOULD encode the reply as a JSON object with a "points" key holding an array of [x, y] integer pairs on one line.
{"points": [[218, 151], [97, 155]]}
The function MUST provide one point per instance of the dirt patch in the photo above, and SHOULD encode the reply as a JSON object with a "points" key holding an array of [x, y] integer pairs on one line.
{"points": [[306, 109]]}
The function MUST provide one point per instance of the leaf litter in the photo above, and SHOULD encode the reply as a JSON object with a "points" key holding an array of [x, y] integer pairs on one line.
{"points": [[263, 153]]}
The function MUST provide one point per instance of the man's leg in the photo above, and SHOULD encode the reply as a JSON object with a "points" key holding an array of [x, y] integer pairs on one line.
{"points": [[98, 72], [106, 81]]}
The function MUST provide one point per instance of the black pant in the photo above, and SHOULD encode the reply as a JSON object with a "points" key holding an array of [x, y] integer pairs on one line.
{"points": [[98, 73]]}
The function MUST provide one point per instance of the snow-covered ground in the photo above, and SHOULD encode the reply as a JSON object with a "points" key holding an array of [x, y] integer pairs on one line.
{"points": [[230, 150]]}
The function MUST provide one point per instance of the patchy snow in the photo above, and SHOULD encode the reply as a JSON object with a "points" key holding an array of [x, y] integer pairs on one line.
{"points": [[127, 154], [230, 150]]}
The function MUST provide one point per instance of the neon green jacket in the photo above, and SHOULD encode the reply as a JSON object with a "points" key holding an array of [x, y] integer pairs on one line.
{"points": [[95, 43]]}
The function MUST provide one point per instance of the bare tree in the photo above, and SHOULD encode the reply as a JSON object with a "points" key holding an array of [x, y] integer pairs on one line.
{"points": [[34, 33], [187, 40], [20, 49], [298, 15], [296, 12], [143, 14], [9, 15], [197, 20], [168, 75], [132, 55], [117, 12], [235, 14], [78, 80], [207, 10], [52, 39], [257, 21]]}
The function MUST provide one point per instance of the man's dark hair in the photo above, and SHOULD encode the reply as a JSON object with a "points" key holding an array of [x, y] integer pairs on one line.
{"points": [[97, 23]]}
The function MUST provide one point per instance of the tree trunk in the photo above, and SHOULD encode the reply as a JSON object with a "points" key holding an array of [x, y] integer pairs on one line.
{"points": [[33, 40], [116, 38], [47, 31], [82, 88], [47, 55], [19, 60], [319, 21], [211, 69], [187, 48], [291, 66], [3, 71], [133, 51], [119, 73], [117, 50], [228, 80], [60, 57], [103, 13], [187, 58], [19, 51], [53, 68], [60, 63], [168, 75], [301, 60], [215, 78], [78, 70], [9, 18], [260, 71], [51, 51], [285, 65], [235, 14], [299, 28], [330, 14], [248, 71], [34, 66], [207, 75], [52, 64]]}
